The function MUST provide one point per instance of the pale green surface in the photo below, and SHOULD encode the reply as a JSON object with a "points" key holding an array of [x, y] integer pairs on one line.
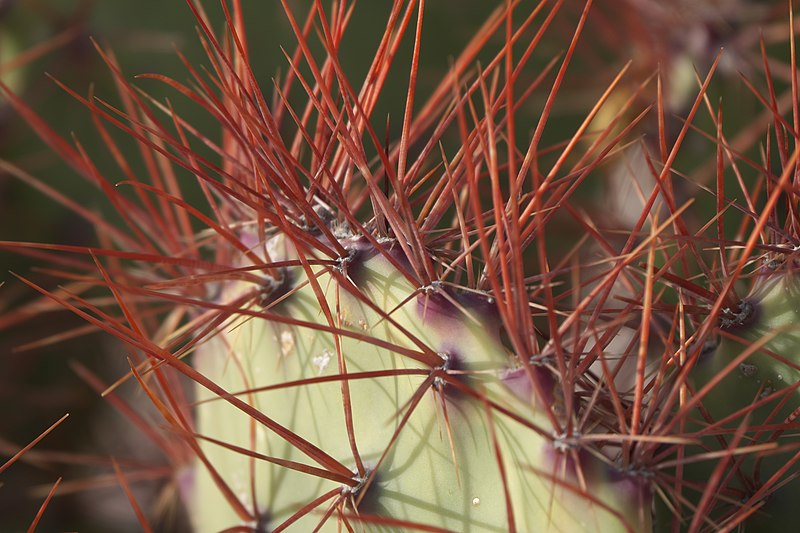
{"points": [[777, 327], [418, 481]]}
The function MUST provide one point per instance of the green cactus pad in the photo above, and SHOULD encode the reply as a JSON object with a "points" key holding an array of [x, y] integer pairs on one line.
{"points": [[757, 363], [436, 442], [770, 315]]}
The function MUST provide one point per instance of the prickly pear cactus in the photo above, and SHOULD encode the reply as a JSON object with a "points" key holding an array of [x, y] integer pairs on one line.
{"points": [[747, 381], [390, 407], [332, 392]]}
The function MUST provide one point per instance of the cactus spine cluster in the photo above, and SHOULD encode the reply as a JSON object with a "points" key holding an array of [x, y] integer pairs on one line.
{"points": [[406, 397], [380, 337], [746, 380]]}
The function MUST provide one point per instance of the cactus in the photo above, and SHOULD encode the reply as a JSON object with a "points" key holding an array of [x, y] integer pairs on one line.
{"points": [[347, 334], [408, 400], [746, 382]]}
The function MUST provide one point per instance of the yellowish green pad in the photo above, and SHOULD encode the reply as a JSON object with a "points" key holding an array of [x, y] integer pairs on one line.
{"points": [[442, 470]]}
